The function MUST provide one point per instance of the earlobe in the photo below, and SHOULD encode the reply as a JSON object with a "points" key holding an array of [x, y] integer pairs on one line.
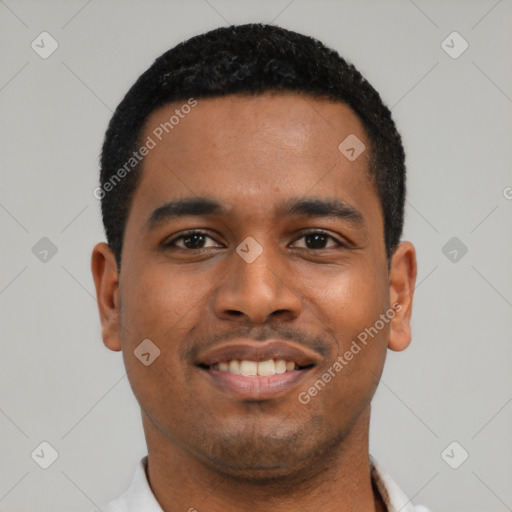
{"points": [[104, 272], [402, 279]]}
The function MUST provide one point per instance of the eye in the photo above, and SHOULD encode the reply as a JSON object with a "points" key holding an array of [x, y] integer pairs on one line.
{"points": [[196, 240], [317, 240], [190, 240]]}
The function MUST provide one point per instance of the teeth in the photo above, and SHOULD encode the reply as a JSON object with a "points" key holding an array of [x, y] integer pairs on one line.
{"points": [[248, 368], [234, 367], [224, 366], [254, 368], [266, 368], [281, 365]]}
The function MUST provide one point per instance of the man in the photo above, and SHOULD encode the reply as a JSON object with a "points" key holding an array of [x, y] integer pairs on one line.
{"points": [[253, 187]]}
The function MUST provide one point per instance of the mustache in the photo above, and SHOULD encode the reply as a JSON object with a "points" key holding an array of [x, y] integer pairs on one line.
{"points": [[279, 332]]}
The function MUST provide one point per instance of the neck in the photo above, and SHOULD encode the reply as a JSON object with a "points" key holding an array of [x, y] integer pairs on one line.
{"points": [[338, 481]]}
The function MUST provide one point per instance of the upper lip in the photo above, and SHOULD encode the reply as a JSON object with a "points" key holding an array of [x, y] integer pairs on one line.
{"points": [[259, 351]]}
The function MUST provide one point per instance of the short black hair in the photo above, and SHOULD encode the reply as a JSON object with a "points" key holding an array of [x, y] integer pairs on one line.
{"points": [[247, 60]]}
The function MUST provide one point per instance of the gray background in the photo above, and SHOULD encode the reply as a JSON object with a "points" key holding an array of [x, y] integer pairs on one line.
{"points": [[61, 385]]}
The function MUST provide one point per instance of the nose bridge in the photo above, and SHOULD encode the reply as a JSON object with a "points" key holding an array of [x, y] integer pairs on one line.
{"points": [[256, 264], [253, 285]]}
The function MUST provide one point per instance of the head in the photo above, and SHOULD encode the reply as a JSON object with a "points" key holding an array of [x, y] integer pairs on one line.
{"points": [[253, 188]]}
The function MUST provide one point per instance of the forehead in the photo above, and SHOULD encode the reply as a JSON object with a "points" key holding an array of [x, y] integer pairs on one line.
{"points": [[263, 126], [253, 151]]}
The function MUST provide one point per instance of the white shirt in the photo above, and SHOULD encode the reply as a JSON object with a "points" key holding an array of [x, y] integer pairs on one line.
{"points": [[139, 497]]}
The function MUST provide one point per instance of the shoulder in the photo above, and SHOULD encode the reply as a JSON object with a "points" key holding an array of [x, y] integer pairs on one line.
{"points": [[394, 498], [137, 497]]}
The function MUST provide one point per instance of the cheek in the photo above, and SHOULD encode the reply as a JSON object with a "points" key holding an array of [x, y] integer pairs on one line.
{"points": [[349, 298], [350, 305], [160, 390], [160, 303], [161, 308]]}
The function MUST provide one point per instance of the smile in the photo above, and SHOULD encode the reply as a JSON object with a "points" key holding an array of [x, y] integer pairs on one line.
{"points": [[256, 371], [256, 368], [255, 381]]}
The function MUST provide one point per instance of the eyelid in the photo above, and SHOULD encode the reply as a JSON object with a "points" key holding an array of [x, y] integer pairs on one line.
{"points": [[317, 231], [183, 234]]}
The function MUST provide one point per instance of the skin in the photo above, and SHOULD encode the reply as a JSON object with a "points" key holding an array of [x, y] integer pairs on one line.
{"points": [[206, 449]]}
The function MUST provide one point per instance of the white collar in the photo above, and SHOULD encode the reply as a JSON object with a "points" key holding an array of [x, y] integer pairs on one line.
{"points": [[140, 497], [393, 497]]}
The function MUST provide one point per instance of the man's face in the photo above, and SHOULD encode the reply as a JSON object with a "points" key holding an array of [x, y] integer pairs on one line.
{"points": [[317, 284]]}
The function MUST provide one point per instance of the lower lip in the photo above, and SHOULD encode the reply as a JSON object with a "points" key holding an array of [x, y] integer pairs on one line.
{"points": [[256, 388]]}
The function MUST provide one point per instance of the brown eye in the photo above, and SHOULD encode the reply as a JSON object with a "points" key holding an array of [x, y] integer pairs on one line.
{"points": [[316, 240], [192, 240]]}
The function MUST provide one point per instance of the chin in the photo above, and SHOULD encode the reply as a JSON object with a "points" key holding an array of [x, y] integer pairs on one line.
{"points": [[263, 470], [263, 460]]}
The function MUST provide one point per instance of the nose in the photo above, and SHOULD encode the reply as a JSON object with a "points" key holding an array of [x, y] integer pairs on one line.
{"points": [[256, 291]]}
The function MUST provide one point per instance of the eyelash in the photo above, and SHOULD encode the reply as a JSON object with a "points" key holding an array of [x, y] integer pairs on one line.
{"points": [[172, 243]]}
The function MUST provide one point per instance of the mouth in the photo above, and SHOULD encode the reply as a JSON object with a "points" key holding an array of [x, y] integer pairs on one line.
{"points": [[256, 368], [257, 371]]}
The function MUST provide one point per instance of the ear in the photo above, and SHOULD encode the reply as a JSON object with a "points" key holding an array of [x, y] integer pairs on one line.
{"points": [[104, 273], [402, 279]]}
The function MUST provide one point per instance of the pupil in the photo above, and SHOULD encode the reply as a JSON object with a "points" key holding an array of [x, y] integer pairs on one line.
{"points": [[319, 241], [196, 237]]}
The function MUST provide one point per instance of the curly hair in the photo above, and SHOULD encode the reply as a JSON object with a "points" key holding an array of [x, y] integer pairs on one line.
{"points": [[248, 60]]}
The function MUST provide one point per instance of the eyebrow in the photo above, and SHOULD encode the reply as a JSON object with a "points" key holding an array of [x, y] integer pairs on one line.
{"points": [[317, 207], [190, 206], [308, 207]]}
